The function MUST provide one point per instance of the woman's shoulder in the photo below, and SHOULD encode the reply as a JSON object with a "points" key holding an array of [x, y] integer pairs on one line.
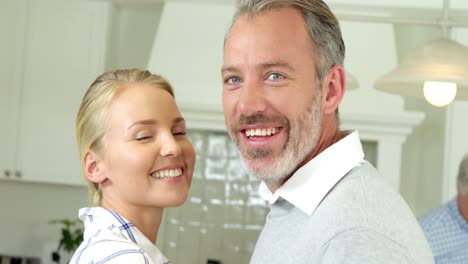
{"points": [[109, 248], [117, 256]]}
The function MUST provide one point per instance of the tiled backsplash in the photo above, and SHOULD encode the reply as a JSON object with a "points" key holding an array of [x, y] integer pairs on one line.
{"points": [[223, 215]]}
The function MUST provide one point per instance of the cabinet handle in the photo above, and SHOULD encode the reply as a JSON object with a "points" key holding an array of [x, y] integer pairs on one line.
{"points": [[18, 174], [6, 173]]}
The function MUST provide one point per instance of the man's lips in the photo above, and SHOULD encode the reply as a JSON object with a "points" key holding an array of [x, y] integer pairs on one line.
{"points": [[260, 137], [261, 132]]}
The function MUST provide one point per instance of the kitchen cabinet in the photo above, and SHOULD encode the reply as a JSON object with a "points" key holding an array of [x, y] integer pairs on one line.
{"points": [[61, 49], [12, 27]]}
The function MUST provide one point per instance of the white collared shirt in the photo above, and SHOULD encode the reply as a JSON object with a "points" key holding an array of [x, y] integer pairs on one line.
{"points": [[309, 184], [110, 238]]}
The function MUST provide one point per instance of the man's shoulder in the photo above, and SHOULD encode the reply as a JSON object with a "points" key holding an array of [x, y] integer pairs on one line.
{"points": [[364, 188], [364, 200], [364, 245], [441, 224], [435, 218]]}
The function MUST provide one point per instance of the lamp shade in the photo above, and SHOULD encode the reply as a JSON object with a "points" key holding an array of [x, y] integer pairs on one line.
{"points": [[441, 60], [351, 82]]}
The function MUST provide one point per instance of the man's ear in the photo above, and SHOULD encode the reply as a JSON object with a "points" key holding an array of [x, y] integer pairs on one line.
{"points": [[334, 88], [94, 167]]}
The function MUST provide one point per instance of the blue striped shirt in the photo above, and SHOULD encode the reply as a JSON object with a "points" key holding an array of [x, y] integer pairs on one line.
{"points": [[447, 233], [110, 238]]}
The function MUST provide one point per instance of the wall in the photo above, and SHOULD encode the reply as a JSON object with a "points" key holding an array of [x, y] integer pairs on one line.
{"points": [[26, 209], [131, 36], [367, 63], [52, 48], [422, 157], [191, 56]]}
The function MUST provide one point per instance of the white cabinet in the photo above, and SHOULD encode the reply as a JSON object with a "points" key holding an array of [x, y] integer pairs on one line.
{"points": [[63, 49], [12, 26]]}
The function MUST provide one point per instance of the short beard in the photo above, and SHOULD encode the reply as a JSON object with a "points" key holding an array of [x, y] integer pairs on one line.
{"points": [[295, 150]]}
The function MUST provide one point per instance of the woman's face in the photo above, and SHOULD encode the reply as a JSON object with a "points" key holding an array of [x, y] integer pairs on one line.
{"points": [[148, 160]]}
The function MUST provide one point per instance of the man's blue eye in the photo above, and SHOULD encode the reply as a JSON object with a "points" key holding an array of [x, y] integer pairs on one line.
{"points": [[232, 80], [275, 76]]}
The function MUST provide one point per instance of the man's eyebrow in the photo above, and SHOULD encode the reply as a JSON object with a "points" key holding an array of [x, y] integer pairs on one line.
{"points": [[275, 64], [229, 68], [266, 65]]}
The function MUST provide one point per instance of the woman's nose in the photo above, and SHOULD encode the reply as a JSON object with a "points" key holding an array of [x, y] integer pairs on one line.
{"points": [[170, 146]]}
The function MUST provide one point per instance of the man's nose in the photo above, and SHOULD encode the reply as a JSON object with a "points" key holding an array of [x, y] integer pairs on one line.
{"points": [[251, 99]]}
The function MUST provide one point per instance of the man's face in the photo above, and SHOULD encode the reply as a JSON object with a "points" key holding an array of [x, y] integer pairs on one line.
{"points": [[272, 104]]}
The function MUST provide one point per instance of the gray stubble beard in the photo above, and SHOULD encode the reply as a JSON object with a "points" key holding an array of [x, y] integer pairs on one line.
{"points": [[294, 151]]}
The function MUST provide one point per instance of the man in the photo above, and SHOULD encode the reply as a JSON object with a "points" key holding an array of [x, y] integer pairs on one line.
{"points": [[283, 80], [446, 228]]}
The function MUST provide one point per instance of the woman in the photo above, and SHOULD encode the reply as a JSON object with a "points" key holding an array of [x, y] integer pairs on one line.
{"points": [[137, 161]]}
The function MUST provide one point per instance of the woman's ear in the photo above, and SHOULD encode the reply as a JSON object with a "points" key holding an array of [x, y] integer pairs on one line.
{"points": [[334, 83], [94, 167]]}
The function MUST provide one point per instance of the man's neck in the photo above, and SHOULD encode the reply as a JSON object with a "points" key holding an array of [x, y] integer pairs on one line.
{"points": [[325, 141], [462, 202]]}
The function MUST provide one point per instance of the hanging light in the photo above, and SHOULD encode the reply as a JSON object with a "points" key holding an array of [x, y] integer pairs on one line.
{"points": [[351, 82], [437, 70], [440, 93]]}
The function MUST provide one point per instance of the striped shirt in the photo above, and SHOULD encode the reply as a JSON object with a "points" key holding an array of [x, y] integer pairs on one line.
{"points": [[110, 238], [447, 233]]}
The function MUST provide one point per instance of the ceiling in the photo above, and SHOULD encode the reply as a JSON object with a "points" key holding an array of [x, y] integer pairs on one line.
{"points": [[387, 11]]}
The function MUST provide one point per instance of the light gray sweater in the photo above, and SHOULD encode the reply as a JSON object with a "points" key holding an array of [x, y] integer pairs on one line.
{"points": [[361, 220]]}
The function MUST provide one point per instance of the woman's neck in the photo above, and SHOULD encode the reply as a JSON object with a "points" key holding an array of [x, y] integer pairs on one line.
{"points": [[146, 219]]}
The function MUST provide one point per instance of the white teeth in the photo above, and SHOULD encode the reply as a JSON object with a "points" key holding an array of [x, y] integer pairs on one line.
{"points": [[167, 173], [260, 132]]}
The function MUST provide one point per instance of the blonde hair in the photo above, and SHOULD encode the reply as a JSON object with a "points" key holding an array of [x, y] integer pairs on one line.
{"points": [[91, 118]]}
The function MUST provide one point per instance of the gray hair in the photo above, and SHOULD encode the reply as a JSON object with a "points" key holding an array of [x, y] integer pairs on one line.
{"points": [[462, 179], [321, 24]]}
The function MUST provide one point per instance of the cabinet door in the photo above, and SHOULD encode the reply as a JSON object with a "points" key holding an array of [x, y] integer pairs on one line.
{"points": [[12, 25], [64, 53]]}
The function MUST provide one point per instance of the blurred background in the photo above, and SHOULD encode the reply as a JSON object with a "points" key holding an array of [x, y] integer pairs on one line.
{"points": [[51, 51]]}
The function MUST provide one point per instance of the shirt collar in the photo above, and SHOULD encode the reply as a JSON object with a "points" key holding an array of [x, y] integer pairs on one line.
{"points": [[309, 184], [97, 219]]}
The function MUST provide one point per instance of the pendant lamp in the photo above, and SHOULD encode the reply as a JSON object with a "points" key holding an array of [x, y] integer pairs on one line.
{"points": [[437, 70], [351, 82]]}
